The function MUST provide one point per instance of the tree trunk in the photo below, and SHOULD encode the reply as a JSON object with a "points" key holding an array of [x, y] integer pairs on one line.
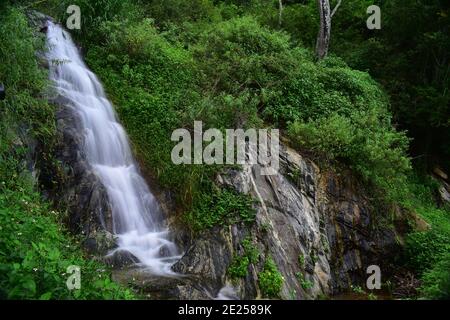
{"points": [[280, 13], [323, 38]]}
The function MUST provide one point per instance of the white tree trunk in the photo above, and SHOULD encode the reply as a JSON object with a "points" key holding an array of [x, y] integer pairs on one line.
{"points": [[280, 13], [323, 38]]}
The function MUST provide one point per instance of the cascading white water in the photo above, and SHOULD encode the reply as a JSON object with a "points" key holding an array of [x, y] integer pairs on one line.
{"points": [[137, 220]]}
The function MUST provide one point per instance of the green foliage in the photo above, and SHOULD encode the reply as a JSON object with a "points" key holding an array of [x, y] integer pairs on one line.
{"points": [[301, 261], [302, 21], [426, 252], [304, 283], [239, 56], [250, 250], [372, 296], [240, 263], [409, 55], [323, 100], [152, 83], [156, 85], [221, 207], [436, 281], [35, 253], [358, 290], [364, 140], [25, 113], [239, 267], [343, 115], [95, 13], [180, 11], [415, 37], [270, 279], [425, 249], [23, 79]]}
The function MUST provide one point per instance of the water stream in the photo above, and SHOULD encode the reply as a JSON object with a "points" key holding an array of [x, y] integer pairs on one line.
{"points": [[137, 219]]}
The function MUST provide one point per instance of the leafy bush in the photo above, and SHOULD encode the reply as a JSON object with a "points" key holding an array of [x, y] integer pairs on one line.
{"points": [[180, 11], [25, 115], [436, 281], [312, 91], [152, 84], [270, 279], [221, 207], [25, 82], [239, 267], [426, 252], [239, 54], [35, 253], [368, 144], [425, 249], [304, 283], [240, 263], [95, 13]]}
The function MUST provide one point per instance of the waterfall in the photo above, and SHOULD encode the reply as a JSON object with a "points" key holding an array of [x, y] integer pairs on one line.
{"points": [[137, 219]]}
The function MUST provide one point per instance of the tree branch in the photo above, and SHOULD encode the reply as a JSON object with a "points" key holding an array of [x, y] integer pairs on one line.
{"points": [[335, 8]]}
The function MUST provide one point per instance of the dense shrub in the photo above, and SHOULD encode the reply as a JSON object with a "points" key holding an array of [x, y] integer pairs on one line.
{"points": [[221, 207], [436, 281], [180, 11], [152, 84], [239, 54], [94, 14], [426, 252], [364, 140], [425, 249], [35, 253], [24, 80], [239, 265], [343, 115], [270, 279]]}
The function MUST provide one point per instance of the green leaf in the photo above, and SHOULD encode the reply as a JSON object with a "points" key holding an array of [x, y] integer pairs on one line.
{"points": [[46, 296]]}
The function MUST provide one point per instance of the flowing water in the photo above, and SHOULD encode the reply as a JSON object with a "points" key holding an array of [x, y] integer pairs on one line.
{"points": [[137, 219]]}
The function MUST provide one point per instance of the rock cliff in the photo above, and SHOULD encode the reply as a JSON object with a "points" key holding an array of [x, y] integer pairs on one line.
{"points": [[318, 227]]}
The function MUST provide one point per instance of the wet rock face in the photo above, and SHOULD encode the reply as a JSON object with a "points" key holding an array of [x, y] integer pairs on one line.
{"points": [[444, 185], [214, 245], [208, 257], [38, 20], [79, 190], [317, 227], [358, 235]]}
